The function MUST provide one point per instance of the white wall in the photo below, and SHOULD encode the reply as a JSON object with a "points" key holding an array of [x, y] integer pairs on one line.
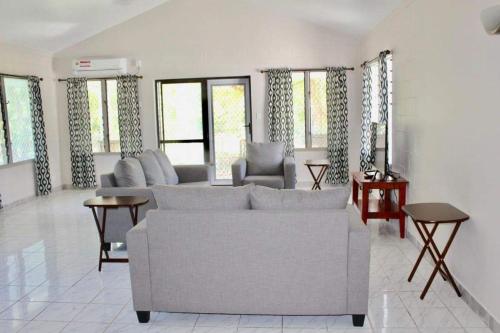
{"points": [[446, 115], [192, 38], [16, 181]]}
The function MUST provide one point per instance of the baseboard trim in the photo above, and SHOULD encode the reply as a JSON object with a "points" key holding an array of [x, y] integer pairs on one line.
{"points": [[467, 297], [28, 199]]}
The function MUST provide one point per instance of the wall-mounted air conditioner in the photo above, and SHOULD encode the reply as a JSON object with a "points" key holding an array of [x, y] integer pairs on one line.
{"points": [[100, 67]]}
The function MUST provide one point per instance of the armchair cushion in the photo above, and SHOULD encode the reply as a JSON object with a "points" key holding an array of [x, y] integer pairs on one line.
{"points": [[152, 169], [171, 177], [265, 158], [128, 173], [269, 181], [266, 198]]}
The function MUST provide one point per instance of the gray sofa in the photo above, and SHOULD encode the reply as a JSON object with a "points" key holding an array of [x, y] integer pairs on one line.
{"points": [[118, 221], [224, 257], [266, 165]]}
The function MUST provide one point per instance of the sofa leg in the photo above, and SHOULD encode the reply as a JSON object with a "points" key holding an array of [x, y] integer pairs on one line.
{"points": [[358, 320], [143, 316]]}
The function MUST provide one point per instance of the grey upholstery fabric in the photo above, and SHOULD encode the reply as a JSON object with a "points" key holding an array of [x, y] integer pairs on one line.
{"points": [[128, 173], [267, 198], [118, 221], [152, 169], [289, 172], [358, 263], [202, 198], [108, 180], [137, 240], [193, 173], [194, 184], [239, 171], [169, 173], [246, 262], [265, 158], [277, 182]]}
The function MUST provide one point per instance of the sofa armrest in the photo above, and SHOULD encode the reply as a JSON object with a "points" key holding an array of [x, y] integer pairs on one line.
{"points": [[358, 264], [138, 254], [239, 171], [289, 172], [193, 173]]}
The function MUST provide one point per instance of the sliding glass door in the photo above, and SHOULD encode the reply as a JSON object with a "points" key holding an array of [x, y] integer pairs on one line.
{"points": [[205, 120]]}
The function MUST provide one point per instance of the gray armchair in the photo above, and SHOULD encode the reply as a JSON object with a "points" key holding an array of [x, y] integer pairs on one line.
{"points": [[265, 165]]}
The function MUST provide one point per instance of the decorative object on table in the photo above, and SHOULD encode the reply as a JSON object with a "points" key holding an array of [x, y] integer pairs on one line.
{"points": [[432, 215], [132, 203], [265, 164], [383, 207], [323, 167]]}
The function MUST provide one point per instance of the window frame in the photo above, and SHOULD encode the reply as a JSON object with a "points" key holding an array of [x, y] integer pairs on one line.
{"points": [[105, 116], [308, 114], [6, 127]]}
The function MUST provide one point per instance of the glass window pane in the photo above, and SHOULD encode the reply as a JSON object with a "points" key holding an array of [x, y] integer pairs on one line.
{"points": [[299, 113], [19, 117], [96, 122], [3, 149], [228, 107], [114, 133], [318, 109], [184, 153], [182, 111]]}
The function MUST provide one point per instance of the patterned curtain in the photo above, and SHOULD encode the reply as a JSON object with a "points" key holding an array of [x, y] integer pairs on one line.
{"points": [[383, 88], [42, 170], [337, 132], [367, 158], [129, 116], [280, 108], [82, 159]]}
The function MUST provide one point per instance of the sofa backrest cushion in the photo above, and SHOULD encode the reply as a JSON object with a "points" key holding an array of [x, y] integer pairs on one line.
{"points": [[128, 173], [265, 198], [152, 169], [171, 177], [265, 159], [202, 198]]}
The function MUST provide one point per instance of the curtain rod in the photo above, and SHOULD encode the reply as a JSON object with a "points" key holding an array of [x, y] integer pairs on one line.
{"points": [[100, 78], [372, 60], [19, 76], [311, 69]]}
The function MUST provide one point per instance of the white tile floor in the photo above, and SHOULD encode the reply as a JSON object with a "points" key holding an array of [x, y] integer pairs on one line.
{"points": [[49, 283]]}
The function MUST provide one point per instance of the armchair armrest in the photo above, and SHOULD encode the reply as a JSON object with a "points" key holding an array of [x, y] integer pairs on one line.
{"points": [[239, 171], [289, 172], [138, 253], [193, 173]]}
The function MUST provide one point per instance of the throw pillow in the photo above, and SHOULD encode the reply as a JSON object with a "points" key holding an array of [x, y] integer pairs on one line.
{"points": [[128, 173], [171, 177], [265, 198], [265, 159], [152, 170]]}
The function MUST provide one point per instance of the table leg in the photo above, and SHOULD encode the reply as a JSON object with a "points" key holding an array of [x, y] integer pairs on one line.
{"points": [[402, 216], [322, 173], [441, 262], [355, 192], [426, 247], [134, 214], [101, 230], [365, 202], [316, 185]]}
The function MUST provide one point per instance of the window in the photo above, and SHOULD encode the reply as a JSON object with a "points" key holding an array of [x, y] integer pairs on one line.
{"points": [[103, 107], [16, 137], [309, 108]]}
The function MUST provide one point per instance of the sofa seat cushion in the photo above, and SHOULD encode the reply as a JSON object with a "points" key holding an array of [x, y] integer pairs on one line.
{"points": [[171, 177], [269, 181], [266, 198], [152, 169], [128, 173], [265, 158], [202, 198], [195, 184]]}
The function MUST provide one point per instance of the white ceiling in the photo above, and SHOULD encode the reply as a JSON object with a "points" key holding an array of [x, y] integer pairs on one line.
{"points": [[52, 25]]}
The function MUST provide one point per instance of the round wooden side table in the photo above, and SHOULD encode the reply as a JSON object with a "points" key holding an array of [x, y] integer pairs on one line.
{"points": [[130, 202], [431, 215]]}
